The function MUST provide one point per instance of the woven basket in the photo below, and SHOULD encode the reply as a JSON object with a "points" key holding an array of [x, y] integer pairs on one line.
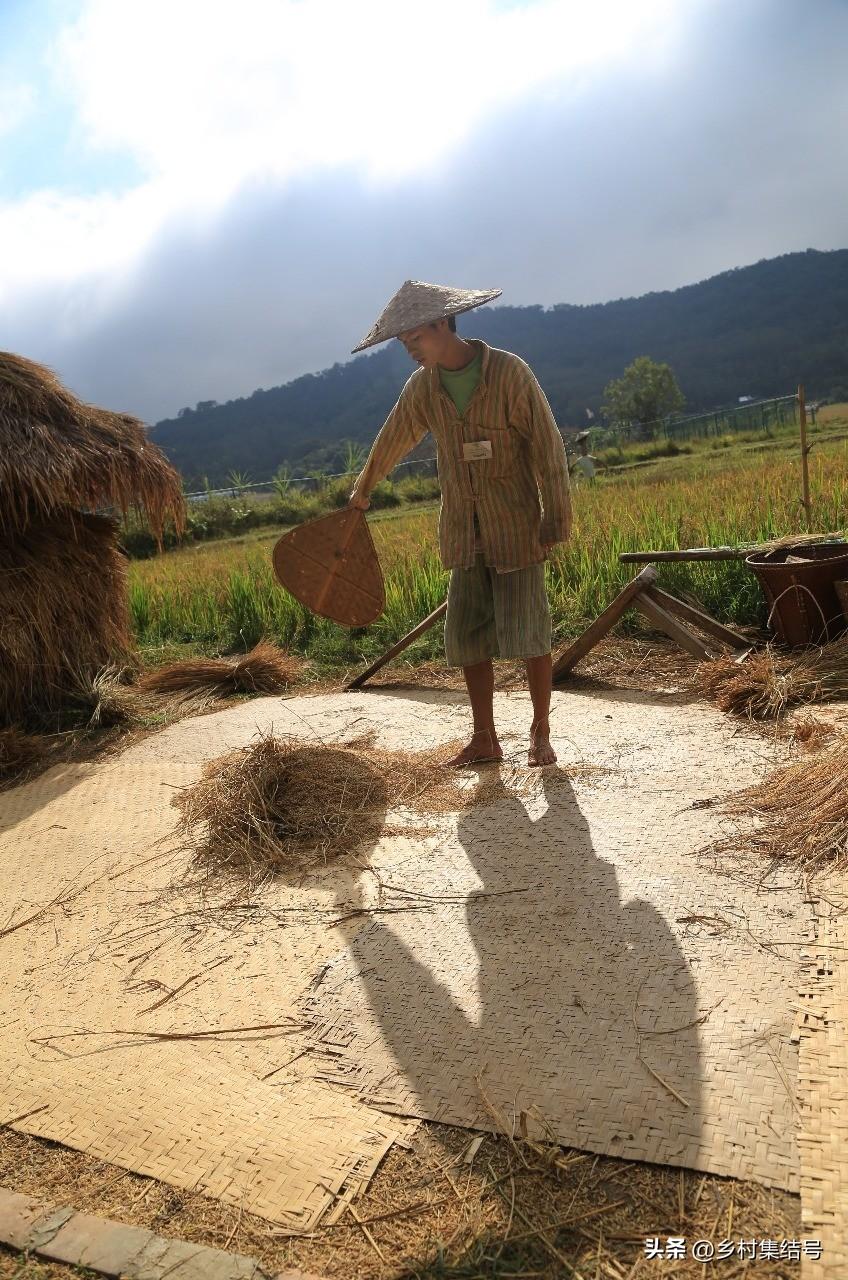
{"points": [[804, 607]]}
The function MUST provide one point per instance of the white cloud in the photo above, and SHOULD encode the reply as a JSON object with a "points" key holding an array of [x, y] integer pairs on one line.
{"points": [[299, 160], [210, 92], [206, 96], [57, 239]]}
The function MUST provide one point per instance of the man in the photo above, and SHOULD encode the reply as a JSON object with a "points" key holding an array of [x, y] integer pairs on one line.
{"points": [[585, 465], [498, 447]]}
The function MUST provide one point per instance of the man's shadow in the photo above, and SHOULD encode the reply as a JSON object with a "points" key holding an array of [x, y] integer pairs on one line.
{"points": [[535, 990]]}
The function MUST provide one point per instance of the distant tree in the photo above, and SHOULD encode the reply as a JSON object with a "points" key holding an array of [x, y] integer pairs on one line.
{"points": [[203, 406], [239, 480], [645, 392], [354, 456]]}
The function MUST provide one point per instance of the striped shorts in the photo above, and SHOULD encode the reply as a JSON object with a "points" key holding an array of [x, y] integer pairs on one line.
{"points": [[496, 615]]}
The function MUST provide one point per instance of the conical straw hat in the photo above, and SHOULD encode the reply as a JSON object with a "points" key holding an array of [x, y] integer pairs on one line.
{"points": [[331, 567], [417, 303]]}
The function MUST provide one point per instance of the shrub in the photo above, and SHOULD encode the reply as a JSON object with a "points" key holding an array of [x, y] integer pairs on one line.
{"points": [[385, 495]]}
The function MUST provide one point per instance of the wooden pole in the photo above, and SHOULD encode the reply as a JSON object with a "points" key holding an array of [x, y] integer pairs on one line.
{"points": [[697, 617], [602, 624], [805, 449], [403, 643], [691, 553]]}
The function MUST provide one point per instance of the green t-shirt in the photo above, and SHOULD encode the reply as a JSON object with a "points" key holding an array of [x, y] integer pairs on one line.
{"points": [[461, 383]]}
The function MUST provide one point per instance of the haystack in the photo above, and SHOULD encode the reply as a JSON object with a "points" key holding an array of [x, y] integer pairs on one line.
{"points": [[65, 466]]}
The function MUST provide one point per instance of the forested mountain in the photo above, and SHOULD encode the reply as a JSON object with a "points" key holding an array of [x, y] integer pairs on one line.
{"points": [[754, 331]]}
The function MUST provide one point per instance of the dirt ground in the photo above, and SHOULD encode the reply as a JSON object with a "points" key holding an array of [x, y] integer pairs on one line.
{"points": [[450, 1206], [442, 1210]]}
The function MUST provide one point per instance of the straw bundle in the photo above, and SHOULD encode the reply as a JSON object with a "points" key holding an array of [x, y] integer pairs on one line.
{"points": [[63, 612], [106, 699], [806, 731], [265, 669], [57, 452], [19, 751], [794, 540], [280, 805], [803, 810], [769, 682]]}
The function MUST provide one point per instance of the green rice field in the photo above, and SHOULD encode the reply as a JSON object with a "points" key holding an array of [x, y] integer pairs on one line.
{"points": [[222, 596]]}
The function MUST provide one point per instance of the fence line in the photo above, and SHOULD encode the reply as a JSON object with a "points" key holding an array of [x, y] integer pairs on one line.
{"points": [[771, 412], [235, 489], [739, 417]]}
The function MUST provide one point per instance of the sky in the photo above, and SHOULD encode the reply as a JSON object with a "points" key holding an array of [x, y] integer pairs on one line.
{"points": [[199, 198]]}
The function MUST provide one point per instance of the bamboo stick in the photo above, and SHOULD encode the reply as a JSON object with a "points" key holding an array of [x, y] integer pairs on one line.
{"points": [[402, 644], [805, 449]]}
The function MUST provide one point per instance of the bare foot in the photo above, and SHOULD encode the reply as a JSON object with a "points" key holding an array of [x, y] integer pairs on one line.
{"points": [[483, 746], [541, 752]]}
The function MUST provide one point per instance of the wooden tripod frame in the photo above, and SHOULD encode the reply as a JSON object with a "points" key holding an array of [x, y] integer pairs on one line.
{"points": [[665, 611]]}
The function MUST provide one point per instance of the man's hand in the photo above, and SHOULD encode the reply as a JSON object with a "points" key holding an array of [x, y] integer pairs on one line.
{"points": [[361, 503]]}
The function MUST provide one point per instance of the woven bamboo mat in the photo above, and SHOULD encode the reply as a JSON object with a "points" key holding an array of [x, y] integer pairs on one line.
{"points": [[116, 952], [191, 1121], [823, 1085], [603, 912], [573, 966]]}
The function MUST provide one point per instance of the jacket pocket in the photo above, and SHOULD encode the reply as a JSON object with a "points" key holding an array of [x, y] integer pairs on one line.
{"points": [[503, 460]]}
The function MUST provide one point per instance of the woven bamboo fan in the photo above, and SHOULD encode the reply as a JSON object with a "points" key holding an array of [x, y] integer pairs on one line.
{"points": [[330, 566]]}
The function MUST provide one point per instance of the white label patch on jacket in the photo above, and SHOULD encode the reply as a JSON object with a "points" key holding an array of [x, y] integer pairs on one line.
{"points": [[476, 450]]}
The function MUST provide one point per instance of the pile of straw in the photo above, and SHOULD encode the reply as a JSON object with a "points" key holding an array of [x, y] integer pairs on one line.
{"points": [[63, 582], [57, 453], [277, 805], [265, 669], [803, 809], [806, 731], [63, 612], [768, 683], [280, 805], [19, 752]]}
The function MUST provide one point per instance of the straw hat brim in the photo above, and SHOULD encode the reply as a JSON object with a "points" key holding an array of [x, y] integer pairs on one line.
{"points": [[417, 303]]}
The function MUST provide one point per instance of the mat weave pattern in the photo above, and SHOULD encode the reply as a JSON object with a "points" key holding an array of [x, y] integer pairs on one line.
{"points": [[823, 1086], [572, 958], [213, 1129], [115, 952], [562, 952]]}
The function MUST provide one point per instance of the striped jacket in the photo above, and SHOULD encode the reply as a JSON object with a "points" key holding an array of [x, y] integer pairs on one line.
{"points": [[509, 409]]}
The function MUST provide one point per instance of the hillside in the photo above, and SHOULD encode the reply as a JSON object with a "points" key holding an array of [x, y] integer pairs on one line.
{"points": [[754, 330]]}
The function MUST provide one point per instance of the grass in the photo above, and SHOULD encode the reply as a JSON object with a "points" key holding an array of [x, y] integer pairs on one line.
{"points": [[230, 516], [222, 596]]}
